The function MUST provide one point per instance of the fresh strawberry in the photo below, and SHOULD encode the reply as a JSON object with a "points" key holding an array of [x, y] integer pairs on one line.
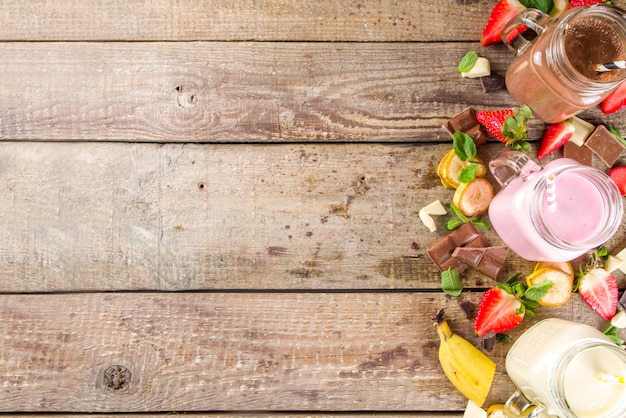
{"points": [[618, 174], [504, 306], [497, 312], [555, 137], [598, 288], [579, 3], [507, 125], [615, 101], [501, 14]]}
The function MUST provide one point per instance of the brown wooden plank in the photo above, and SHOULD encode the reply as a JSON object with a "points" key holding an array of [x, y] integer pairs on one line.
{"points": [[240, 92], [115, 216], [273, 20], [236, 351]]}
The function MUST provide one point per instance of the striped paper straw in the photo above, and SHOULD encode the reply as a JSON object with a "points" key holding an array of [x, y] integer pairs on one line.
{"points": [[609, 66], [551, 191]]}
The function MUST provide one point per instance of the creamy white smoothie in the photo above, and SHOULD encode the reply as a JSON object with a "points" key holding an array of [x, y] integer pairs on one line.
{"points": [[569, 368]]}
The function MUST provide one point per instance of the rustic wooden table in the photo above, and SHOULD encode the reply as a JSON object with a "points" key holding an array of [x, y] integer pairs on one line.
{"points": [[218, 201]]}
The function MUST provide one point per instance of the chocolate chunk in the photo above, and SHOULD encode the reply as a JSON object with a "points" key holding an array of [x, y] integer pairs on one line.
{"points": [[623, 300], [605, 145], [467, 309], [488, 341], [465, 121], [492, 82], [581, 154], [487, 260], [467, 235]]}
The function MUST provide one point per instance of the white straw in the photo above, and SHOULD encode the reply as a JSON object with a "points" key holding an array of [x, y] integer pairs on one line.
{"points": [[551, 191], [607, 378], [609, 66]]}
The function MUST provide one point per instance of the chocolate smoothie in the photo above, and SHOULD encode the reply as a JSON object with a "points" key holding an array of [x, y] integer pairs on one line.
{"points": [[556, 76]]}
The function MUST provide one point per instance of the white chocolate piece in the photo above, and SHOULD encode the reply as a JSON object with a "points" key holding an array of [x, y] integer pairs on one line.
{"points": [[582, 130], [472, 410], [433, 208], [482, 68], [622, 256], [619, 320], [613, 263]]}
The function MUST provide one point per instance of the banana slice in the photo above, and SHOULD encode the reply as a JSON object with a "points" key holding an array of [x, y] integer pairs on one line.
{"points": [[451, 165], [564, 266], [561, 289], [473, 198]]}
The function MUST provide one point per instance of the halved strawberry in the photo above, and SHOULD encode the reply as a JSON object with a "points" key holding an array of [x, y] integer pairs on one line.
{"points": [[499, 311], [507, 125], [598, 288], [579, 3], [615, 101], [501, 14], [618, 174], [555, 137]]}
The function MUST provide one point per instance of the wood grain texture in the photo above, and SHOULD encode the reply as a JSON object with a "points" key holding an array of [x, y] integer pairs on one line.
{"points": [[236, 351], [242, 20], [241, 92], [114, 216]]}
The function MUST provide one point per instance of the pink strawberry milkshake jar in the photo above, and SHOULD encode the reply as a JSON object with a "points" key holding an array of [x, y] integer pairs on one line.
{"points": [[554, 212]]}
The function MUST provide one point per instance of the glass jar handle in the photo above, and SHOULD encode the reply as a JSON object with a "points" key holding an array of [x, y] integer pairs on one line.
{"points": [[519, 406], [510, 165], [512, 33]]}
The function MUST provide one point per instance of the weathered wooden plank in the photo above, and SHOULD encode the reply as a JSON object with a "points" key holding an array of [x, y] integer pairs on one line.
{"points": [[236, 351], [115, 216], [267, 20], [240, 92]]}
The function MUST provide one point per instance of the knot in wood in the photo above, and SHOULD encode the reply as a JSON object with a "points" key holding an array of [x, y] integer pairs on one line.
{"points": [[116, 378]]}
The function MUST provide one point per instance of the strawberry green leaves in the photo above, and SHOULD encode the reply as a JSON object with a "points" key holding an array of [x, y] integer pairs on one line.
{"points": [[514, 128]]}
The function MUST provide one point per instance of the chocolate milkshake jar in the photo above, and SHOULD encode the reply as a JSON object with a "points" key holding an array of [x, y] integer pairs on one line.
{"points": [[555, 73]]}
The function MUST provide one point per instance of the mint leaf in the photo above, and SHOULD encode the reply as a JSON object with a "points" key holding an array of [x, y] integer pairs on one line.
{"points": [[464, 146], [543, 5], [467, 62], [452, 224], [611, 332], [539, 290], [481, 223], [458, 213], [468, 173], [451, 282]]}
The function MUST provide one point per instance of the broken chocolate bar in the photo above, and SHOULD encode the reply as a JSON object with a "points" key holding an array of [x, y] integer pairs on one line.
{"points": [[492, 82], [578, 153], [467, 235], [465, 121], [487, 260], [605, 145]]}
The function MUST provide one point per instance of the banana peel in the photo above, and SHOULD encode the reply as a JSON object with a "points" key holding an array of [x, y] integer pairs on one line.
{"points": [[465, 366]]}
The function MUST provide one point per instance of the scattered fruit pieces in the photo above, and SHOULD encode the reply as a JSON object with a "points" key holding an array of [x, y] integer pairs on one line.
{"points": [[504, 306], [582, 130], [451, 166], [618, 174], [507, 125], [496, 411], [564, 266], [474, 411], [467, 368], [433, 208], [598, 288], [615, 101], [555, 137], [582, 3], [559, 6], [481, 68], [561, 289], [499, 311], [501, 14], [474, 197], [619, 320]]}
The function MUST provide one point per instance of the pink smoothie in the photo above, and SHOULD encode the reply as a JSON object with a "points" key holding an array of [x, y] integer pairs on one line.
{"points": [[577, 216]]}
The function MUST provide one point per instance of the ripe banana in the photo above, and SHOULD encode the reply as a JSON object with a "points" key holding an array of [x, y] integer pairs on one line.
{"points": [[467, 368]]}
